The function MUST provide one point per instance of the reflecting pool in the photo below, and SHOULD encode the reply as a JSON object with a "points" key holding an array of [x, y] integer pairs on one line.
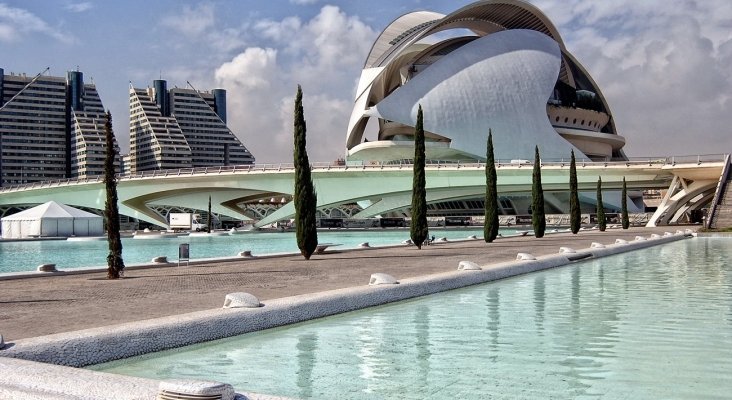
{"points": [[650, 324], [27, 255]]}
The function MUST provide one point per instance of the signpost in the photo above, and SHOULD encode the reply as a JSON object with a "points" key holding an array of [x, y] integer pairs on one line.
{"points": [[183, 253]]}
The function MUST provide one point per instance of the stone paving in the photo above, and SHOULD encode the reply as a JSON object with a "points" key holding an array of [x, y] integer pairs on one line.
{"points": [[61, 303]]}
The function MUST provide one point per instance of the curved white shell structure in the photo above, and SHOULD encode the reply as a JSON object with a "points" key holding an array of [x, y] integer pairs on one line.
{"points": [[498, 65]]}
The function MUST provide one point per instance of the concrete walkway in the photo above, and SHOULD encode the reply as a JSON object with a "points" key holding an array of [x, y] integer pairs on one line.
{"points": [[40, 306]]}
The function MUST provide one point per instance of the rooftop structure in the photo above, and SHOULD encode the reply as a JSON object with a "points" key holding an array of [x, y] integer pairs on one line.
{"points": [[497, 65], [181, 128]]}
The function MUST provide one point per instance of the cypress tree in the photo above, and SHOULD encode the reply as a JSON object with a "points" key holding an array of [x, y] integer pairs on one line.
{"points": [[418, 229], [575, 216], [305, 197], [209, 223], [115, 264], [601, 223], [490, 226], [624, 206], [538, 219]]}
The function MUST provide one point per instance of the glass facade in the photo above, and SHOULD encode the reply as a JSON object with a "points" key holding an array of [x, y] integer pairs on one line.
{"points": [[220, 103], [161, 97], [76, 90]]}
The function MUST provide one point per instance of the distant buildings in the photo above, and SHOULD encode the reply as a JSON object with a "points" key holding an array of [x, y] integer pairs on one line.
{"points": [[181, 128], [53, 128], [50, 128]]}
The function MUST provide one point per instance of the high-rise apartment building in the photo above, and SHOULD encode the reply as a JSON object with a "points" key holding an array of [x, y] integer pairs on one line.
{"points": [[181, 128], [50, 128]]}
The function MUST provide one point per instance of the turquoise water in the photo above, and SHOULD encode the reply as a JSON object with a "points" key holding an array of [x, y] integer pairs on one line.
{"points": [[27, 255], [651, 324]]}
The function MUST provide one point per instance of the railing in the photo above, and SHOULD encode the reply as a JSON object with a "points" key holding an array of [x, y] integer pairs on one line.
{"points": [[432, 165]]}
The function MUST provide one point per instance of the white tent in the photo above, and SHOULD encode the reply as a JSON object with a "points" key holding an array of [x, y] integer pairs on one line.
{"points": [[52, 219]]}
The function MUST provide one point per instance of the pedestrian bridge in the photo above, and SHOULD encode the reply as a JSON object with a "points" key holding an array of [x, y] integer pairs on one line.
{"points": [[692, 182]]}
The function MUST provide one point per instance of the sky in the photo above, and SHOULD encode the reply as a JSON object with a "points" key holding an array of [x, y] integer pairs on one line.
{"points": [[664, 66]]}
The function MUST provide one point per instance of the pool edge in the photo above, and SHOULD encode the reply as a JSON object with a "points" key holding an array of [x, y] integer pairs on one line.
{"points": [[97, 345]]}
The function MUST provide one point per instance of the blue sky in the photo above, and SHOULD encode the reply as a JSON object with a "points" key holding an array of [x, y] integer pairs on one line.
{"points": [[664, 65]]}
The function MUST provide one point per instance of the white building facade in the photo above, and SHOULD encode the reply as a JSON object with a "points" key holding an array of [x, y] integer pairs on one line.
{"points": [[497, 65]]}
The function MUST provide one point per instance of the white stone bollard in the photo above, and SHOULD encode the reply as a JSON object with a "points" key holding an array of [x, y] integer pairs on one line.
{"points": [[621, 241], [382, 279], [192, 389], [468, 266], [241, 300], [47, 268], [597, 245], [525, 257], [567, 250]]}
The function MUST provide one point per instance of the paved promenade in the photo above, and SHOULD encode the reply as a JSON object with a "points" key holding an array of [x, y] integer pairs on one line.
{"points": [[40, 306]]}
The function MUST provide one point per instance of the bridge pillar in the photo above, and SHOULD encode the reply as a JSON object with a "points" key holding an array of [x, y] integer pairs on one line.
{"points": [[682, 196]]}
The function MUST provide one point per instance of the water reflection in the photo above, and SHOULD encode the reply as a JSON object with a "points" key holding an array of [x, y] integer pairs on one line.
{"points": [[539, 303], [599, 328], [307, 346], [422, 341], [494, 320], [575, 287]]}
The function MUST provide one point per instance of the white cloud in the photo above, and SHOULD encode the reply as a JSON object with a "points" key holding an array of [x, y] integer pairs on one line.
{"points": [[16, 23], [663, 67], [191, 21], [324, 55], [303, 2], [200, 32], [79, 7]]}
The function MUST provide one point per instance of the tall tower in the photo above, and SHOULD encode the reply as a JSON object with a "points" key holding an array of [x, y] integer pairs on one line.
{"points": [[50, 128], [193, 124], [33, 122], [156, 141], [86, 136]]}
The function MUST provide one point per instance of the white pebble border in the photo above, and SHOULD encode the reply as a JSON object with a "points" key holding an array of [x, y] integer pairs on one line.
{"points": [[98, 345]]}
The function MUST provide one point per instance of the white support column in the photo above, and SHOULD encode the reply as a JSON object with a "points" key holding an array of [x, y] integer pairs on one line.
{"points": [[682, 196]]}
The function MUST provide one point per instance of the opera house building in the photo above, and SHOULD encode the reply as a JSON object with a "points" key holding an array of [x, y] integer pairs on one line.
{"points": [[498, 65]]}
